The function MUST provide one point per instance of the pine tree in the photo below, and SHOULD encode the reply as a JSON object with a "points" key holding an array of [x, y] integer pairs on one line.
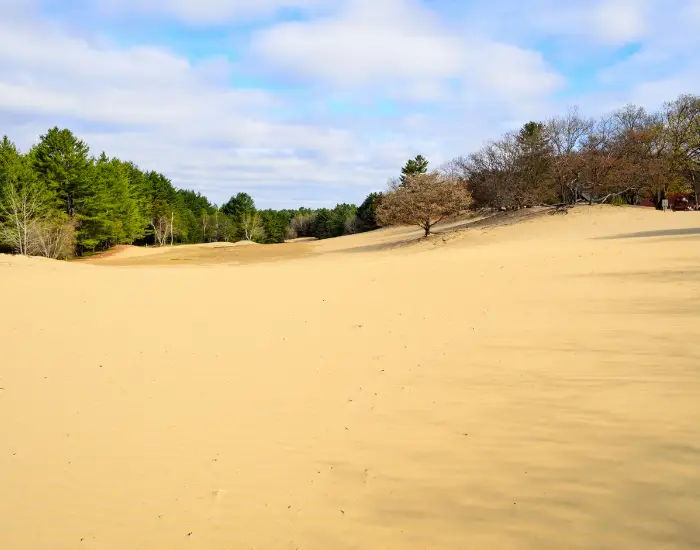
{"points": [[61, 163], [110, 212], [367, 212], [535, 165], [418, 165]]}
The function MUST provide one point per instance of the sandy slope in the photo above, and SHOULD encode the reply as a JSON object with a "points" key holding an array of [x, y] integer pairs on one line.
{"points": [[532, 386]]}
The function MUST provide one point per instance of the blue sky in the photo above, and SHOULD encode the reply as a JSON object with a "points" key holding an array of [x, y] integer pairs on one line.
{"points": [[313, 102]]}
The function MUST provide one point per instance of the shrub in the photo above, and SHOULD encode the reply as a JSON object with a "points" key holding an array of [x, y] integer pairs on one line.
{"points": [[618, 201]]}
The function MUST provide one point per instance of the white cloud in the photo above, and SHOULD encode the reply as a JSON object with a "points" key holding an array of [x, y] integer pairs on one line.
{"points": [[509, 72], [619, 20], [592, 22], [401, 48], [604, 21], [366, 42], [168, 114], [165, 112], [205, 11], [666, 63], [449, 84]]}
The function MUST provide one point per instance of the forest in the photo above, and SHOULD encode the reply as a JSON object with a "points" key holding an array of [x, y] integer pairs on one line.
{"points": [[58, 201]]}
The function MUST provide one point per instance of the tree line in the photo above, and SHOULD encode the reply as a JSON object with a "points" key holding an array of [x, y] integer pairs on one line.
{"points": [[628, 157], [58, 201]]}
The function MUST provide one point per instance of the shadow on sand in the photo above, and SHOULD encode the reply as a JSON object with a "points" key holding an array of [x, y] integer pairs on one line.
{"points": [[476, 221], [659, 233]]}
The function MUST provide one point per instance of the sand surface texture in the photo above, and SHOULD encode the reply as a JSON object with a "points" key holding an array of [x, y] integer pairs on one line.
{"points": [[525, 386]]}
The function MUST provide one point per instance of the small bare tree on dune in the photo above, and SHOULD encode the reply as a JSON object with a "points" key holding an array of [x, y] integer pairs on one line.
{"points": [[423, 200]]}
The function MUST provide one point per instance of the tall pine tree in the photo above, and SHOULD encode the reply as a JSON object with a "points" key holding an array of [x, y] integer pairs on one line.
{"points": [[61, 162]]}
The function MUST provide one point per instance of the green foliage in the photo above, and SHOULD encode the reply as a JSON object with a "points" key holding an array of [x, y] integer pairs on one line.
{"points": [[110, 212], [275, 224], [9, 156], [417, 165], [62, 165], [534, 164], [241, 210], [321, 226], [251, 228], [618, 201], [74, 201], [238, 206], [328, 223], [340, 217], [17, 174], [23, 201], [367, 212]]}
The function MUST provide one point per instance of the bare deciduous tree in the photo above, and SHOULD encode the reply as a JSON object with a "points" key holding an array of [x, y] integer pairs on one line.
{"points": [[351, 225], [424, 200], [300, 226], [162, 229], [567, 136], [28, 226], [205, 224], [491, 173], [682, 135], [252, 227], [21, 206], [53, 238]]}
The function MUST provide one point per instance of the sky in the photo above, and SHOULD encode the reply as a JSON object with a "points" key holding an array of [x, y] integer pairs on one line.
{"points": [[316, 102]]}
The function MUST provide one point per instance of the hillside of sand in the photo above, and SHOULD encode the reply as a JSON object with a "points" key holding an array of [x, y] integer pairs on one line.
{"points": [[528, 385]]}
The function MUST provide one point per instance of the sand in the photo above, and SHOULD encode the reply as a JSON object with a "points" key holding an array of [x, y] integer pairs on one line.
{"points": [[523, 386]]}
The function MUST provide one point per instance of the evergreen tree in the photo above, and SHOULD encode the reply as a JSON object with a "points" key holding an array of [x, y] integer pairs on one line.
{"points": [[62, 165], [536, 182], [321, 226], [339, 219], [367, 212], [417, 165], [160, 198], [276, 224], [238, 206], [110, 211]]}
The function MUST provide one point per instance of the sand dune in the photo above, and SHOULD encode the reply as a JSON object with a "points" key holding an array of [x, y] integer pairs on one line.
{"points": [[527, 386]]}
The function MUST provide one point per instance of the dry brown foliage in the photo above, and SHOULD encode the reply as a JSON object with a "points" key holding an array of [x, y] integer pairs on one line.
{"points": [[424, 200]]}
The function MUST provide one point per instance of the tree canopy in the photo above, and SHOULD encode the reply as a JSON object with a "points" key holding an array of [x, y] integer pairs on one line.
{"points": [[57, 200], [424, 200], [417, 165]]}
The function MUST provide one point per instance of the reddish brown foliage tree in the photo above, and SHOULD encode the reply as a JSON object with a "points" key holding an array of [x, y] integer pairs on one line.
{"points": [[423, 200]]}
